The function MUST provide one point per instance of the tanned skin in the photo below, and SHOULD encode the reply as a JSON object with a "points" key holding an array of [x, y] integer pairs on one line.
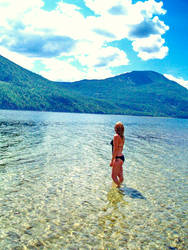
{"points": [[117, 164]]}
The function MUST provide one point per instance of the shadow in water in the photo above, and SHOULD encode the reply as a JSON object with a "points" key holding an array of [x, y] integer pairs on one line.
{"points": [[131, 192]]}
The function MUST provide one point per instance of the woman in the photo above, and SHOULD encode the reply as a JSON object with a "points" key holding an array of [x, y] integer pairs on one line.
{"points": [[117, 156]]}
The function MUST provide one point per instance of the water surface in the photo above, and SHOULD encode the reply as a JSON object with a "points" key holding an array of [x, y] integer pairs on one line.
{"points": [[56, 190]]}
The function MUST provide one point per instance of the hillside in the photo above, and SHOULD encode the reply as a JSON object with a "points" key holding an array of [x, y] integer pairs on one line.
{"points": [[135, 93]]}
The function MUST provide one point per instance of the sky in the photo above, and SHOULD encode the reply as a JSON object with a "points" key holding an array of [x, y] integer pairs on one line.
{"points": [[70, 40]]}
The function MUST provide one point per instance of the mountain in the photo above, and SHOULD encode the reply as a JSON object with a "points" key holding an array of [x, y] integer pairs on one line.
{"points": [[146, 93]]}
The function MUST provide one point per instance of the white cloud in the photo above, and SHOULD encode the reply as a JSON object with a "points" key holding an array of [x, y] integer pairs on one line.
{"points": [[136, 22], [57, 70], [97, 56], [150, 8], [151, 47], [181, 81], [98, 73], [21, 60], [131, 12], [28, 31], [107, 5], [12, 12]]}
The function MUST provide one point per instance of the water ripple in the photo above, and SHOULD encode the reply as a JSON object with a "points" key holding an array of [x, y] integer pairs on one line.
{"points": [[56, 190]]}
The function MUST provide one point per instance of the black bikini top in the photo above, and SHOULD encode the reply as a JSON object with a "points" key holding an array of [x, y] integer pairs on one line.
{"points": [[112, 143]]}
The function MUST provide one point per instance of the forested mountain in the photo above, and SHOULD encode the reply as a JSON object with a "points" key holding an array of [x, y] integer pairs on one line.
{"points": [[135, 93]]}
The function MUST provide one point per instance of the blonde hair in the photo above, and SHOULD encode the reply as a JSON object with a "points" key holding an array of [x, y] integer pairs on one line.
{"points": [[119, 128]]}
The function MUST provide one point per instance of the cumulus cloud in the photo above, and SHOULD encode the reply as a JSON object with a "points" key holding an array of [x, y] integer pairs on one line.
{"points": [[95, 62], [150, 48], [181, 81], [147, 28], [29, 30], [143, 29], [104, 33], [97, 56], [37, 45], [114, 7], [136, 22], [117, 10], [57, 70], [20, 59]]}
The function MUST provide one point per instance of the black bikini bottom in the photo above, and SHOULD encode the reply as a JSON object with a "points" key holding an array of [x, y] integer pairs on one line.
{"points": [[121, 157]]}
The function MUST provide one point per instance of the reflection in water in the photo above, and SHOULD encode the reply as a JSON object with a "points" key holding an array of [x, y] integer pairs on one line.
{"points": [[114, 196], [55, 182], [112, 220]]}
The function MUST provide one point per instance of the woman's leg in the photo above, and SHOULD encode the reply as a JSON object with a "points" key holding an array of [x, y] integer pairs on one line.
{"points": [[115, 176], [116, 172], [120, 175]]}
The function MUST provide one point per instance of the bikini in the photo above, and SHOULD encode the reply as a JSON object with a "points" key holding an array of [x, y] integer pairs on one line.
{"points": [[119, 156]]}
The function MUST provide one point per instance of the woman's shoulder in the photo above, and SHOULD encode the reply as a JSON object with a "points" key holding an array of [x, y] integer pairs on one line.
{"points": [[118, 137]]}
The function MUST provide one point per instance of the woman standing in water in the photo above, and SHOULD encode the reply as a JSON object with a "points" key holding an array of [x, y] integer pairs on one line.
{"points": [[117, 155]]}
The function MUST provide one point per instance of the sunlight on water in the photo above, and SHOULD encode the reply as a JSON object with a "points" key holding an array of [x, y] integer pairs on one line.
{"points": [[56, 190]]}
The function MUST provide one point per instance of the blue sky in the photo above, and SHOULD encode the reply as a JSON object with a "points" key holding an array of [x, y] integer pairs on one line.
{"points": [[70, 40]]}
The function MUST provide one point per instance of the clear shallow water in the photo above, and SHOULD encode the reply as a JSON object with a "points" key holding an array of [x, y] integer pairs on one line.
{"points": [[56, 190]]}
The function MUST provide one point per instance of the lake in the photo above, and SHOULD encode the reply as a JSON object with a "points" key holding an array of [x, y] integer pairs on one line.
{"points": [[56, 190]]}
